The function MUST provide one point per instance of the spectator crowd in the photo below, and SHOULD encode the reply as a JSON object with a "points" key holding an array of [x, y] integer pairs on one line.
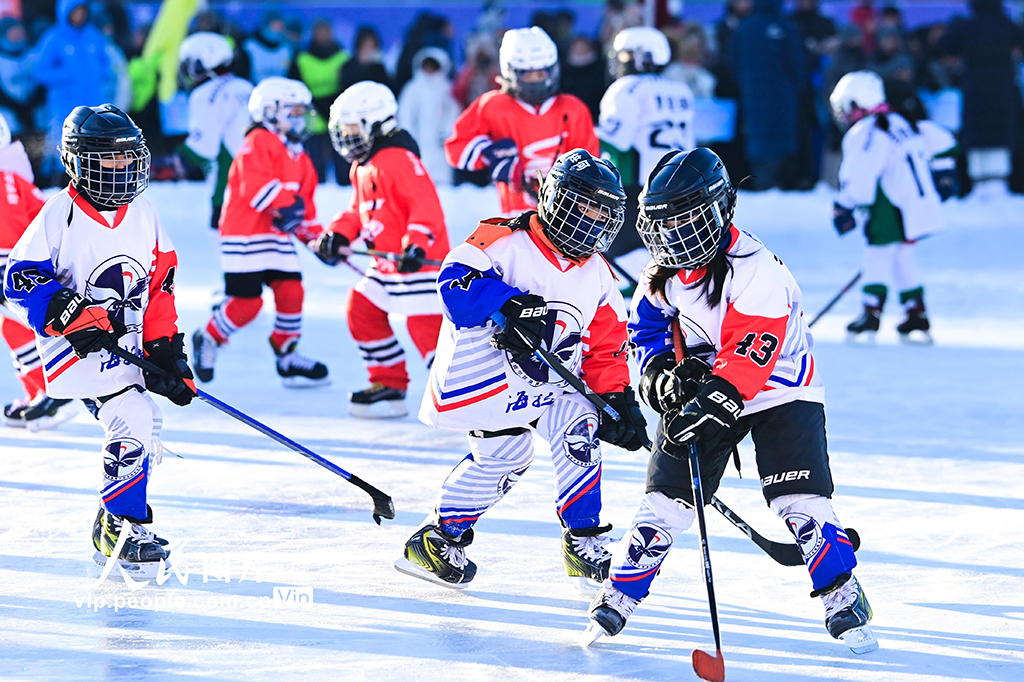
{"points": [[778, 63]]}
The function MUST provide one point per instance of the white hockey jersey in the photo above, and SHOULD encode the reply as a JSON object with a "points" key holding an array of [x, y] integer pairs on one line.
{"points": [[218, 114], [121, 260], [649, 114], [895, 163], [473, 385], [756, 337]]}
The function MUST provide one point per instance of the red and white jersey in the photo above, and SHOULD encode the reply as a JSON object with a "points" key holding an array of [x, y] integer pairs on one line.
{"points": [[472, 384], [21, 202], [122, 260], [266, 176], [541, 134], [756, 337]]}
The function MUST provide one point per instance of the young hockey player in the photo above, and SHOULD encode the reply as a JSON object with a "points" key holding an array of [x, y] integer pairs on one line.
{"points": [[540, 272], [643, 116], [522, 128], [268, 201], [886, 168], [94, 270], [395, 209], [747, 369], [218, 112], [21, 202]]}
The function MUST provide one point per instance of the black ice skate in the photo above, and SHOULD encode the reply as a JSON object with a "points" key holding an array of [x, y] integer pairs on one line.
{"points": [[608, 613], [915, 327], [42, 413], [847, 614], [863, 329], [142, 551], [586, 556], [13, 413], [204, 355], [377, 402], [434, 556], [298, 371]]}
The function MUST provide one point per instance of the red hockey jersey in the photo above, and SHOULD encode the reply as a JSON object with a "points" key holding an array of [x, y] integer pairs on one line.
{"points": [[562, 123], [21, 202], [394, 204], [265, 176]]}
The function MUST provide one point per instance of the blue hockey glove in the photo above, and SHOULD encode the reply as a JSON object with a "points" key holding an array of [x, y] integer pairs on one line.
{"points": [[411, 260], [289, 218], [843, 219], [946, 183], [502, 157], [706, 419]]}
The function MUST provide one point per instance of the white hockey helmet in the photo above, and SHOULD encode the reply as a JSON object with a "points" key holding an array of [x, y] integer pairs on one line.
{"points": [[640, 49], [524, 50], [201, 54], [359, 115], [5, 132], [281, 104], [857, 94]]}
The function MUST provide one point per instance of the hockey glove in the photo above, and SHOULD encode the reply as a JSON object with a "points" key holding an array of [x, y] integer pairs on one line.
{"points": [[524, 326], [630, 431], [665, 384], [843, 219], [411, 259], [87, 327], [946, 183], [289, 218], [705, 419], [502, 157], [332, 248], [169, 355]]}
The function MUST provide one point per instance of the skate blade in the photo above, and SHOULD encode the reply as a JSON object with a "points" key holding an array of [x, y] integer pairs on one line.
{"points": [[585, 585], [860, 339], [860, 640], [52, 421], [148, 570], [917, 338], [305, 382], [382, 409], [593, 633], [15, 423], [407, 567]]}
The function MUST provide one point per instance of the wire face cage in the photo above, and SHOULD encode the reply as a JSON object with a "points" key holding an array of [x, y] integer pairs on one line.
{"points": [[581, 226], [111, 178], [688, 240]]}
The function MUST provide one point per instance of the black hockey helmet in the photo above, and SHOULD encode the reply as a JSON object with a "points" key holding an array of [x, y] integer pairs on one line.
{"points": [[105, 154], [581, 204], [686, 208]]}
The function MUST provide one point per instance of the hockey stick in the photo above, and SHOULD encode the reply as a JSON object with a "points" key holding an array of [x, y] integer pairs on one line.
{"points": [[382, 503], [835, 299], [785, 554], [393, 257]]}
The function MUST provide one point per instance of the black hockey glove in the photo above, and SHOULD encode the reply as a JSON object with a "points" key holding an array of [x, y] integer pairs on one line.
{"points": [[502, 157], [524, 326], [332, 248], [411, 259], [289, 218], [665, 384], [705, 419], [630, 431], [87, 327], [946, 183], [169, 355], [843, 219]]}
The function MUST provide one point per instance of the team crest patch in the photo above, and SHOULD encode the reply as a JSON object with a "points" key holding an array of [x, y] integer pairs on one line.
{"points": [[563, 336], [648, 545], [508, 480], [121, 285], [806, 531], [581, 444], [123, 459]]}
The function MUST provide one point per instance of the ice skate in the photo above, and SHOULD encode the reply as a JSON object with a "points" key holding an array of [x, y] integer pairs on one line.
{"points": [[847, 614], [586, 557], [45, 412], [914, 329], [204, 355], [433, 555], [298, 371], [608, 613], [142, 551], [14, 413], [377, 402], [862, 330]]}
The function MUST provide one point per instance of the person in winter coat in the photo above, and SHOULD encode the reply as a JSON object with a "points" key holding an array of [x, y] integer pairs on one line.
{"points": [[269, 52], [766, 56], [20, 95], [480, 72], [368, 64], [992, 101], [68, 50], [427, 110], [584, 74]]}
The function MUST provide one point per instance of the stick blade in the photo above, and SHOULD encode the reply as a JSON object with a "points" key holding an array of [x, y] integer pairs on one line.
{"points": [[708, 667], [383, 507]]}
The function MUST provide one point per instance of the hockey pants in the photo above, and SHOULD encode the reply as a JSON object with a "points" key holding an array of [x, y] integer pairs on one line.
{"points": [[497, 460], [132, 422], [22, 342], [238, 311], [895, 262]]}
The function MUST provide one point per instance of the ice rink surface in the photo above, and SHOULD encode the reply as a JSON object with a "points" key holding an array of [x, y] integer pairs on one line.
{"points": [[926, 445]]}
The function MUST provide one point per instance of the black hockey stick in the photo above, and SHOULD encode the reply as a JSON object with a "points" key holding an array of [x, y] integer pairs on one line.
{"points": [[835, 299], [785, 554], [707, 667], [382, 503], [393, 257]]}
